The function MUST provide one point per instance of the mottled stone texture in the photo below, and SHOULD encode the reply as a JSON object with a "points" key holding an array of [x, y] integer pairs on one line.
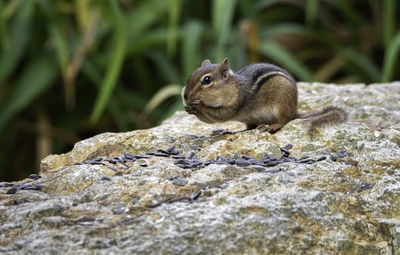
{"points": [[348, 205]]}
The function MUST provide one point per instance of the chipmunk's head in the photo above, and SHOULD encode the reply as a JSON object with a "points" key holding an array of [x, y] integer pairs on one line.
{"points": [[209, 88]]}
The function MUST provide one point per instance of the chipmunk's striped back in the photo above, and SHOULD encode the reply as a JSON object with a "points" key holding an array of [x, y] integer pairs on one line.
{"points": [[272, 92], [260, 73]]}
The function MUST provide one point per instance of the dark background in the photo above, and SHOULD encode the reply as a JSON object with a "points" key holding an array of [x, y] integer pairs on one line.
{"points": [[71, 69]]}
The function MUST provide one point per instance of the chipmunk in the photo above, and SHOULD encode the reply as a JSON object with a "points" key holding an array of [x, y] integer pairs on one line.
{"points": [[261, 95]]}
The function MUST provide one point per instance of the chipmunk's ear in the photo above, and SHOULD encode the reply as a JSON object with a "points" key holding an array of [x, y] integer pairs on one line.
{"points": [[206, 62], [224, 68]]}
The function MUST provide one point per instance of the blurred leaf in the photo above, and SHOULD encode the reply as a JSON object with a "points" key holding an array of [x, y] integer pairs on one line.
{"points": [[191, 47], [281, 56], [61, 47], [82, 11], [283, 28], [3, 27], [35, 80], [261, 4], [20, 32], [389, 11], [165, 67], [368, 67], [150, 39], [142, 17], [311, 11], [114, 67], [222, 14], [352, 16], [391, 56], [249, 40], [174, 9], [176, 106], [329, 69], [161, 96], [117, 113]]}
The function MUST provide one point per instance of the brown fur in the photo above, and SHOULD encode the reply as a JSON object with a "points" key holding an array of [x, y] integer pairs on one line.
{"points": [[259, 95], [328, 115]]}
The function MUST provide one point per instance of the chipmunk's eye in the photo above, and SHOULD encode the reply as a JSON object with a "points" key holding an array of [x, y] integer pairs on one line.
{"points": [[206, 80]]}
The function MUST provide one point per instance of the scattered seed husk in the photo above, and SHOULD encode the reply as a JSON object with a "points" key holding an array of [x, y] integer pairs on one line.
{"points": [[258, 168], [129, 156], [33, 187], [112, 168], [12, 191], [106, 178], [141, 156], [161, 154], [195, 147], [273, 171], [171, 148], [195, 195], [242, 162], [191, 160], [85, 221], [34, 176]]}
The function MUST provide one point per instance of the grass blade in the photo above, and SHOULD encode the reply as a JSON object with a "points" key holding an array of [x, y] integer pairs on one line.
{"points": [[362, 62], [282, 29], [115, 65], [82, 10], [262, 4], [38, 76], [61, 47], [174, 8], [175, 106], [20, 33], [150, 39], [329, 69], [391, 56], [389, 9], [311, 11], [191, 47], [222, 14], [161, 96], [165, 66], [142, 17], [281, 56]]}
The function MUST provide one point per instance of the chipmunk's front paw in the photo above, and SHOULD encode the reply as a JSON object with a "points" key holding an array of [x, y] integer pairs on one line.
{"points": [[191, 108]]}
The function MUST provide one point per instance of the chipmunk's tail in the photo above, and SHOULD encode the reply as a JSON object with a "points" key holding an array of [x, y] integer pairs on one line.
{"points": [[328, 115]]}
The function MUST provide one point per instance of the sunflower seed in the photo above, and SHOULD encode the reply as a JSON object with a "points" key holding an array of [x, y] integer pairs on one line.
{"points": [[106, 178]]}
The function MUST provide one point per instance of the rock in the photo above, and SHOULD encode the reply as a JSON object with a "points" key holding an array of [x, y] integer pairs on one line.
{"points": [[349, 205], [180, 181]]}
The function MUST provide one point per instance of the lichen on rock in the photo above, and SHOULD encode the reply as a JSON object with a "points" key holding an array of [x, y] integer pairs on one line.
{"points": [[176, 189]]}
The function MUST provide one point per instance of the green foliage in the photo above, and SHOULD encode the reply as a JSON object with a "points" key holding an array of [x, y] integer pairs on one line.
{"points": [[70, 69], [114, 69]]}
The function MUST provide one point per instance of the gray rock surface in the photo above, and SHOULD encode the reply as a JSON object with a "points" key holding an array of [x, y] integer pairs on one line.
{"points": [[348, 203]]}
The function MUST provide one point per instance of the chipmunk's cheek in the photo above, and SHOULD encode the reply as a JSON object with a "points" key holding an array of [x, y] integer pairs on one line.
{"points": [[218, 102], [209, 100]]}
